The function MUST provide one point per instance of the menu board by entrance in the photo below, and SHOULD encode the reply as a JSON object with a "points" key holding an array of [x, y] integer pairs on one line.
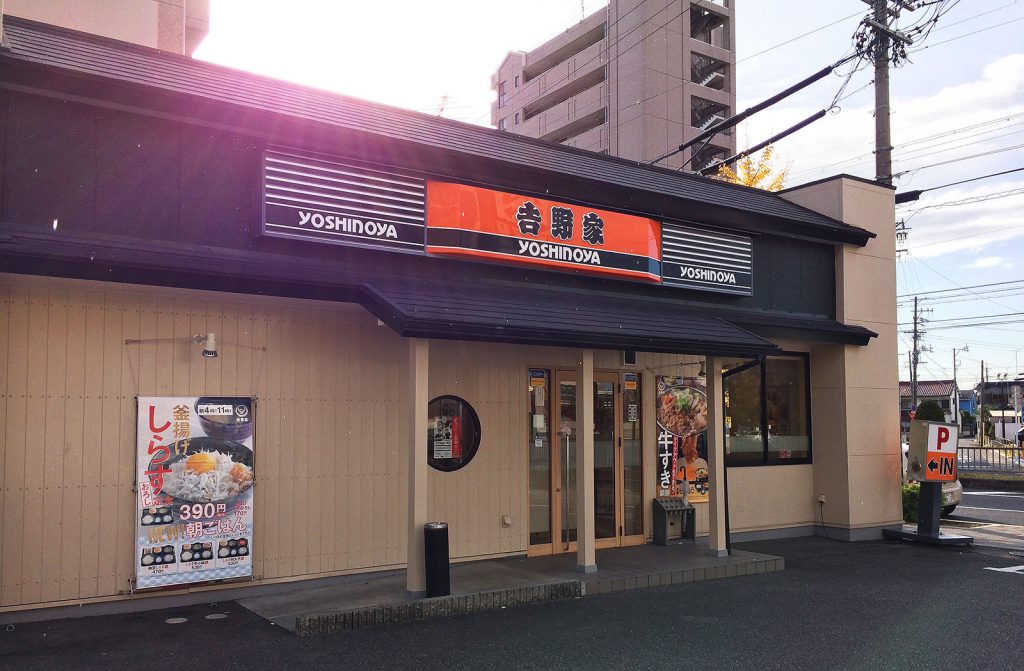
{"points": [[682, 416], [195, 471]]}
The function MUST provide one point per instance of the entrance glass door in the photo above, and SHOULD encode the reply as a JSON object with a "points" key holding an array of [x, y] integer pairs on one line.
{"points": [[618, 468]]}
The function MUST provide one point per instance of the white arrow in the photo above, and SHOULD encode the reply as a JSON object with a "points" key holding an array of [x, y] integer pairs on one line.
{"points": [[1007, 569]]}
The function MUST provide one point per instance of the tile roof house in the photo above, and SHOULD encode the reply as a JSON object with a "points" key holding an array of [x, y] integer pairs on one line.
{"points": [[944, 392]]}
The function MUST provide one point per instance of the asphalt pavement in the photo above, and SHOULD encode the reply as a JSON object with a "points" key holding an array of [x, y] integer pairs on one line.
{"points": [[882, 605], [995, 506]]}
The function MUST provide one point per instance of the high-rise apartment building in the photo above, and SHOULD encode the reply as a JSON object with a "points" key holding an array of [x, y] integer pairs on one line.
{"points": [[171, 25], [634, 79]]}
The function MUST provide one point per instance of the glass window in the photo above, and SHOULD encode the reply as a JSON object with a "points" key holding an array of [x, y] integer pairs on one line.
{"points": [[453, 433], [767, 408], [786, 394], [743, 444]]}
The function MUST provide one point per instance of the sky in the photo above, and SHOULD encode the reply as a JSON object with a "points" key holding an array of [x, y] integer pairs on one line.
{"points": [[957, 113]]}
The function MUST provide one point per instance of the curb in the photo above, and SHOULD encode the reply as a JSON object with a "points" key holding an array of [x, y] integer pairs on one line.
{"points": [[985, 480], [462, 604], [443, 606]]}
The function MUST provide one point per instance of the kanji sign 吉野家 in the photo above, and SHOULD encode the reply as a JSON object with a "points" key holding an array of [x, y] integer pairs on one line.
{"points": [[492, 225]]}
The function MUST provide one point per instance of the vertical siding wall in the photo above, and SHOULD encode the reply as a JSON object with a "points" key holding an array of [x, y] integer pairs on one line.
{"points": [[330, 494], [330, 440]]}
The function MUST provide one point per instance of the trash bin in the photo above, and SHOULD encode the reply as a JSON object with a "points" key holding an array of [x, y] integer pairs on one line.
{"points": [[674, 520], [435, 559]]}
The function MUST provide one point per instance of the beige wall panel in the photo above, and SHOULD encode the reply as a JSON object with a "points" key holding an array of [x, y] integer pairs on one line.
{"points": [[871, 416], [875, 497], [870, 206], [34, 533], [14, 501], [873, 299], [72, 537], [771, 497], [55, 412], [92, 430]]}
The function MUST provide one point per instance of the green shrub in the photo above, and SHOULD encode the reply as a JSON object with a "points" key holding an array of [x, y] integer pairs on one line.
{"points": [[930, 411], [911, 497]]}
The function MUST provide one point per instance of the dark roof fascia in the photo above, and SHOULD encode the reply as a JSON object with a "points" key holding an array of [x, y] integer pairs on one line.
{"points": [[409, 324], [623, 184], [825, 332]]}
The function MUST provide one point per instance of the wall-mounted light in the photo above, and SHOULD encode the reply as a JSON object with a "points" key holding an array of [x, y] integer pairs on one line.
{"points": [[209, 343]]}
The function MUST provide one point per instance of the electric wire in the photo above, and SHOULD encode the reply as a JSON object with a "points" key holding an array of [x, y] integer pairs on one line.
{"points": [[973, 286]]}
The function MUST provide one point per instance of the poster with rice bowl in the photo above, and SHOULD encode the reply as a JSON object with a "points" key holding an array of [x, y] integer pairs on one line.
{"points": [[195, 471], [682, 416]]}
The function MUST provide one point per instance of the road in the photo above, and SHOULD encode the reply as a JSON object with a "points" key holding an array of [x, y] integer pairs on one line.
{"points": [[999, 507], [836, 606]]}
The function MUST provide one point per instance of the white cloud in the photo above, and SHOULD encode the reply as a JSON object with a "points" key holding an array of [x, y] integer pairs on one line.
{"points": [[989, 262]]}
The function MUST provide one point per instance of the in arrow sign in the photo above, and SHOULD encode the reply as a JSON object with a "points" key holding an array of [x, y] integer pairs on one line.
{"points": [[932, 465]]}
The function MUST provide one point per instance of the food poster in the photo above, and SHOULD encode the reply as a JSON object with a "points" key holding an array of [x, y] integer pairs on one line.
{"points": [[682, 438], [195, 472]]}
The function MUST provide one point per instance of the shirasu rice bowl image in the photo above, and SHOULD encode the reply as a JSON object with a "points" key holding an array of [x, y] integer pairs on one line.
{"points": [[211, 471]]}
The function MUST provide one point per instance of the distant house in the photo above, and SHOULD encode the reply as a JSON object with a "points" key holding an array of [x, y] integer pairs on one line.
{"points": [[998, 394], [943, 392], [969, 405]]}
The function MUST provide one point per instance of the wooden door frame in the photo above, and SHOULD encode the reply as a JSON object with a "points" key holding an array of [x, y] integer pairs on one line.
{"points": [[555, 440]]}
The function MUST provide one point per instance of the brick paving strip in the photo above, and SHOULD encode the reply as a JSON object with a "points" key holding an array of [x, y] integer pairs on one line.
{"points": [[462, 604]]}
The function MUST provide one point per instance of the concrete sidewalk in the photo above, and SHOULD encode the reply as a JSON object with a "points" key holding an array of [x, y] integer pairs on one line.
{"points": [[377, 599], [1000, 536]]}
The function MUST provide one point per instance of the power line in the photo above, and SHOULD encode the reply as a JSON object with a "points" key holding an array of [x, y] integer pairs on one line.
{"points": [[917, 193], [794, 39], [1000, 119], [958, 37], [969, 201], [1002, 305], [973, 235], [973, 286], [962, 158]]}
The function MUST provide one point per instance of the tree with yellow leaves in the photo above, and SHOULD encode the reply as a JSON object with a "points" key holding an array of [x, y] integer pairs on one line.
{"points": [[756, 172]]}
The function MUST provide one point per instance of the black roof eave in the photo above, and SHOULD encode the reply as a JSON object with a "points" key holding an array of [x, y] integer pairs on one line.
{"points": [[570, 170]]}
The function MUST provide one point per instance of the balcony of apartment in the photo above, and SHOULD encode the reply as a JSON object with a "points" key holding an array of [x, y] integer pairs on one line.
{"points": [[559, 50], [568, 113], [563, 81], [595, 139]]}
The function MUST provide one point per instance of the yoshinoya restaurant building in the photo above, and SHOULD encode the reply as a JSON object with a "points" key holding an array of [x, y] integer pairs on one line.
{"points": [[262, 333]]}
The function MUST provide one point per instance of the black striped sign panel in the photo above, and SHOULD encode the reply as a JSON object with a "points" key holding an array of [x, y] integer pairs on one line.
{"points": [[337, 202], [706, 260]]}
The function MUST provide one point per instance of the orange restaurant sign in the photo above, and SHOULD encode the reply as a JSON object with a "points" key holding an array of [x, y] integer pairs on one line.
{"points": [[484, 224]]}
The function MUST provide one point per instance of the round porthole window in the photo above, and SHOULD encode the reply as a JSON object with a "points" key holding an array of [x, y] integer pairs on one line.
{"points": [[453, 433]]}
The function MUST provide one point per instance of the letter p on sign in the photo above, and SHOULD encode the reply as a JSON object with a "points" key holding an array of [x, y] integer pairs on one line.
{"points": [[940, 439]]}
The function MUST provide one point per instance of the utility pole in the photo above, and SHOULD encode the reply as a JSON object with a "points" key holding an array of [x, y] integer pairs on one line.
{"points": [[956, 387], [883, 35], [883, 139], [981, 409]]}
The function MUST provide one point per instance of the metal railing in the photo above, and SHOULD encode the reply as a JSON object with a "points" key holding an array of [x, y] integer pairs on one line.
{"points": [[997, 457]]}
